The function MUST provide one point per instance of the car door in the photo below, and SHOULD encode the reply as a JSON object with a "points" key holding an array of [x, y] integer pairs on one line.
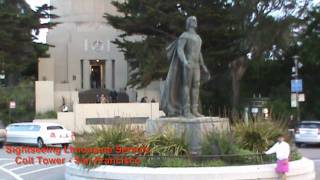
{"points": [[32, 132], [36, 132]]}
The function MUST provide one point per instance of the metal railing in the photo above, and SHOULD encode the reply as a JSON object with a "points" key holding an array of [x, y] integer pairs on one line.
{"points": [[185, 160]]}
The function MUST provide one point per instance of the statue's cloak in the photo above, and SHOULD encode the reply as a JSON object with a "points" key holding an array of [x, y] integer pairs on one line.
{"points": [[171, 96], [171, 100]]}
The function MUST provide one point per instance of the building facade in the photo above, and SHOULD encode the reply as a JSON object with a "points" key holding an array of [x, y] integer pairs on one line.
{"points": [[83, 57]]}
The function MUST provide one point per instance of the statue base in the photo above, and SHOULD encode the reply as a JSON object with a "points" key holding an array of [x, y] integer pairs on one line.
{"points": [[193, 128]]}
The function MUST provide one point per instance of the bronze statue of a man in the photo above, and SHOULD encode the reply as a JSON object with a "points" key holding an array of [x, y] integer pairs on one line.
{"points": [[180, 95]]}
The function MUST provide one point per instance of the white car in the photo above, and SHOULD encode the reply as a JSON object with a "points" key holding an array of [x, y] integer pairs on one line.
{"points": [[307, 132], [39, 134]]}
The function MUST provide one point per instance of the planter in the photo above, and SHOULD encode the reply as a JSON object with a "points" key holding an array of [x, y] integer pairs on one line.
{"points": [[300, 169]]}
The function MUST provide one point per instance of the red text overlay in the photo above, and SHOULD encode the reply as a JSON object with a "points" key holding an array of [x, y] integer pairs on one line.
{"points": [[118, 155]]}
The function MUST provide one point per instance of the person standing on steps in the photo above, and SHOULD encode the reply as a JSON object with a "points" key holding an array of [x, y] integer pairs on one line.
{"points": [[103, 99], [97, 98]]}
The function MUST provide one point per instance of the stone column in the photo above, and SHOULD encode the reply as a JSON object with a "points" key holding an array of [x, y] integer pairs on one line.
{"points": [[86, 74], [108, 74]]}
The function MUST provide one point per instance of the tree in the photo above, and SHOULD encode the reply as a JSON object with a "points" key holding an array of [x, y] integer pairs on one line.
{"points": [[159, 23], [264, 37], [19, 25], [231, 30], [307, 47], [19, 55], [272, 77]]}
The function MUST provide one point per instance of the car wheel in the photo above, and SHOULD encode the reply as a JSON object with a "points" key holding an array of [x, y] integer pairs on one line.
{"points": [[40, 143], [66, 145]]}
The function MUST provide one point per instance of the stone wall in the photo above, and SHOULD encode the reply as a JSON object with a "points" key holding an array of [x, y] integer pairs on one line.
{"points": [[44, 95], [78, 119]]}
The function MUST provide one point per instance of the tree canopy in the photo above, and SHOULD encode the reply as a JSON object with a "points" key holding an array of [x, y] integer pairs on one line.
{"points": [[19, 53], [19, 27], [234, 33], [307, 47]]}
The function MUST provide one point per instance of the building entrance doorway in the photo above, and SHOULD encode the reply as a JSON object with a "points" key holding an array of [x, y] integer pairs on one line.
{"points": [[97, 74]]}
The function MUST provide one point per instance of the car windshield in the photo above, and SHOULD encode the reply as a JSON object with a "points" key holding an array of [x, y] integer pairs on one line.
{"points": [[54, 127], [309, 125]]}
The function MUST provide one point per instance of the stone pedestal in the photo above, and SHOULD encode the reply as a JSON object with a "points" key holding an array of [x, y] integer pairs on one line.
{"points": [[193, 128]]}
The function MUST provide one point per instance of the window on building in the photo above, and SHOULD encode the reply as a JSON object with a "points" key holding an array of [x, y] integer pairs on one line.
{"points": [[81, 72]]}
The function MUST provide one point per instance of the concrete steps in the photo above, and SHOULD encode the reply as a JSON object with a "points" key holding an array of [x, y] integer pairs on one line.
{"points": [[89, 96]]}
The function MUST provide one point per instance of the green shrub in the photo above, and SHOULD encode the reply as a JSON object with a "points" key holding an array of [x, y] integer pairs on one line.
{"points": [[178, 162], [248, 157], [46, 115], [295, 155], [258, 135], [223, 145], [151, 162], [213, 163], [110, 137], [118, 134], [280, 108], [23, 95], [218, 143], [169, 143], [241, 156], [166, 144], [182, 162], [170, 149]]}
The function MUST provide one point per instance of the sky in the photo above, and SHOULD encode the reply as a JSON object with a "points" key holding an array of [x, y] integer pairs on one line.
{"points": [[43, 32]]}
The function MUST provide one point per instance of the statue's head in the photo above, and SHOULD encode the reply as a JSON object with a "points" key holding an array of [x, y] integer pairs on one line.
{"points": [[191, 22]]}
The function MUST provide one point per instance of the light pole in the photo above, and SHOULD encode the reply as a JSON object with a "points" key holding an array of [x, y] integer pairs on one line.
{"points": [[296, 84]]}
